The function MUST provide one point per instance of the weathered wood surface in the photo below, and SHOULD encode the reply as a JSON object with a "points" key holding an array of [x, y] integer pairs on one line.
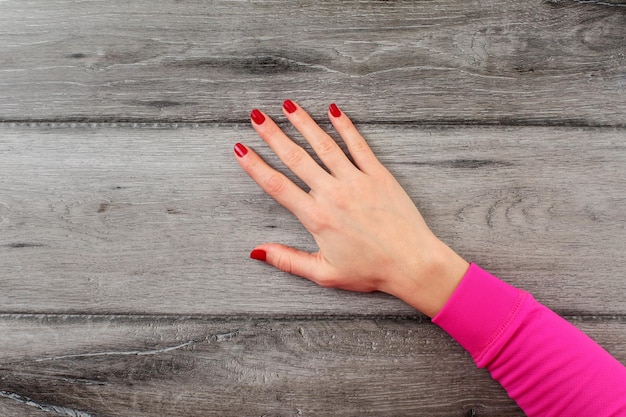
{"points": [[125, 366], [513, 62], [99, 219], [125, 288], [20, 407]]}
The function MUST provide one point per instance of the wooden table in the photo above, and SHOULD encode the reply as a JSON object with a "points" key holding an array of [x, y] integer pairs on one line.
{"points": [[126, 223]]}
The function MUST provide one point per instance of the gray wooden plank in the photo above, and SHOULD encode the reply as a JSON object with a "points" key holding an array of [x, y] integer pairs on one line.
{"points": [[147, 366], [16, 406], [126, 366], [160, 220], [538, 62]]}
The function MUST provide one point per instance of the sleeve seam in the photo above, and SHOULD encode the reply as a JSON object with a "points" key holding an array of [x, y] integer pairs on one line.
{"points": [[501, 328]]}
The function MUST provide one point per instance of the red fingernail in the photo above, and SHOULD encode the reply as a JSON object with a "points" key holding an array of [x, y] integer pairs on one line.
{"points": [[334, 110], [258, 254], [257, 117], [289, 106], [240, 150]]}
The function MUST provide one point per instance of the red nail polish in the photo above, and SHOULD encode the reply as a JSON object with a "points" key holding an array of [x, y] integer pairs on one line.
{"points": [[289, 106], [240, 150], [257, 117], [258, 254], [334, 110]]}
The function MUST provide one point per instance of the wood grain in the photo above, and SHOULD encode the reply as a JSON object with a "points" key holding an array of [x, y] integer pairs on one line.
{"points": [[159, 219], [15, 406], [125, 222], [444, 61], [147, 366]]}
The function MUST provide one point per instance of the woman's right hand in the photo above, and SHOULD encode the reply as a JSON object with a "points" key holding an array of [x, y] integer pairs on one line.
{"points": [[370, 235]]}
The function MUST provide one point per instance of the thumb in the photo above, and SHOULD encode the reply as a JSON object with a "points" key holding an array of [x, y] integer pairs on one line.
{"points": [[291, 260]]}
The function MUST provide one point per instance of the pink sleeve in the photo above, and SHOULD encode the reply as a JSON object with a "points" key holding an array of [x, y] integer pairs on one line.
{"points": [[548, 366]]}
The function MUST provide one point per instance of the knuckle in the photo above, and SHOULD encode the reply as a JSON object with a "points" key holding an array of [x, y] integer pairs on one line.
{"points": [[343, 202], [317, 220], [284, 263], [294, 157], [274, 184], [343, 198], [325, 146], [360, 146]]}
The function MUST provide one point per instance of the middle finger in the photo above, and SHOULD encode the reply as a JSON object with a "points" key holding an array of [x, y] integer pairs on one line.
{"points": [[324, 146]]}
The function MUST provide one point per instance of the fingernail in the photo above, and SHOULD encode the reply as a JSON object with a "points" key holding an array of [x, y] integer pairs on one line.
{"points": [[289, 106], [257, 117], [240, 150], [258, 254], [334, 110]]}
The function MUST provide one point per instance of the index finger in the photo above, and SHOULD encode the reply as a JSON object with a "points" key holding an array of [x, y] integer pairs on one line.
{"points": [[277, 185]]}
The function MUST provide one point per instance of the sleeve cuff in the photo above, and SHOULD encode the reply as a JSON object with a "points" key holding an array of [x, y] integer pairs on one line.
{"points": [[479, 310]]}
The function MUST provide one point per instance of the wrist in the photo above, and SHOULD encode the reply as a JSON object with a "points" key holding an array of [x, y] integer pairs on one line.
{"points": [[428, 289]]}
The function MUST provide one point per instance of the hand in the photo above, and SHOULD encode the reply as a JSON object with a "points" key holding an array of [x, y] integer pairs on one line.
{"points": [[370, 235]]}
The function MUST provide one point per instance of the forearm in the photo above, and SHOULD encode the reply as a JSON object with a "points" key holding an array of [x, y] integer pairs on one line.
{"points": [[546, 365]]}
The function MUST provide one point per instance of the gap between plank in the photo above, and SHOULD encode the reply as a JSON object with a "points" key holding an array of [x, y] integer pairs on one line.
{"points": [[176, 123], [138, 317]]}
